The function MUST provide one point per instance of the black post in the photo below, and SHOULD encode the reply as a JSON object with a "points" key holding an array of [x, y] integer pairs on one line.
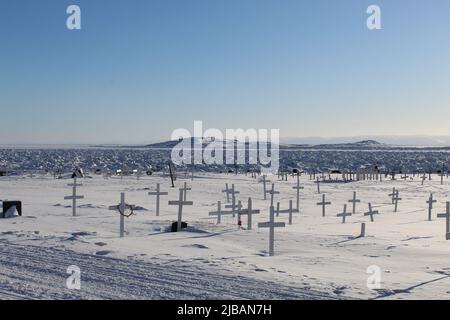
{"points": [[171, 175]]}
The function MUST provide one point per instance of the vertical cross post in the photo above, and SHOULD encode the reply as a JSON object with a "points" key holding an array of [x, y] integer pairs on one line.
{"points": [[180, 203], [298, 187], [271, 225], [447, 216], [354, 201], [430, 206], [323, 204], [157, 193], [318, 185], [74, 196]]}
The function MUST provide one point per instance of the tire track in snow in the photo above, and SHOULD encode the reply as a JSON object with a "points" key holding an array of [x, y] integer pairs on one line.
{"points": [[33, 272]]}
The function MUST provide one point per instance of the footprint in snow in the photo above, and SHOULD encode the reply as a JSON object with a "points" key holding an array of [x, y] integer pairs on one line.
{"points": [[103, 252], [196, 245]]}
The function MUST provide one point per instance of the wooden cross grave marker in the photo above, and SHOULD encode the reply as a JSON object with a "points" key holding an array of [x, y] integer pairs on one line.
{"points": [[290, 211], [447, 216], [157, 193], [298, 188], [371, 212], [185, 189], [264, 182], [430, 206], [74, 197], [344, 214], [180, 203], [323, 204], [318, 185], [272, 193], [392, 195], [396, 200], [233, 204], [249, 211], [122, 207], [219, 213], [271, 224], [354, 201]]}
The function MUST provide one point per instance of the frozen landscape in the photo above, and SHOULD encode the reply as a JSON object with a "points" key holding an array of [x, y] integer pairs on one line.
{"points": [[315, 258]]}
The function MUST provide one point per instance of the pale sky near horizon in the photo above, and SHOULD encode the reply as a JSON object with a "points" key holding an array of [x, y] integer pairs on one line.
{"points": [[139, 69]]}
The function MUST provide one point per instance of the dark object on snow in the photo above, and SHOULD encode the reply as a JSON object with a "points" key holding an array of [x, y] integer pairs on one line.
{"points": [[174, 226], [149, 172], [78, 173], [8, 204]]}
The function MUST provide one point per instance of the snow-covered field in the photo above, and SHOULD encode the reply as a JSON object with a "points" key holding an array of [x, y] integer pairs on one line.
{"points": [[315, 258]]}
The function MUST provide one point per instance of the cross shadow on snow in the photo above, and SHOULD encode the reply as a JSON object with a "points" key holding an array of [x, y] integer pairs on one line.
{"points": [[385, 293]]}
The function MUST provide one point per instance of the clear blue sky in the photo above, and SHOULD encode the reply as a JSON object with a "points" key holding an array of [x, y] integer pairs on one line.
{"points": [[139, 69]]}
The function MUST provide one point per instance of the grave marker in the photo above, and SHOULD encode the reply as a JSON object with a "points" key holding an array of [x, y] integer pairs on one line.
{"points": [[122, 208], [430, 206], [371, 212], [290, 210], [227, 192], [233, 204], [344, 214], [396, 200], [272, 192], [354, 201], [264, 181], [298, 187], [249, 212], [447, 216], [271, 224], [323, 204], [219, 213], [185, 189], [318, 185], [157, 193], [392, 195], [180, 203], [74, 195]]}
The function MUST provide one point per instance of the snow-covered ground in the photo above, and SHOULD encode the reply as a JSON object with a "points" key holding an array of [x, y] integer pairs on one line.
{"points": [[315, 258]]}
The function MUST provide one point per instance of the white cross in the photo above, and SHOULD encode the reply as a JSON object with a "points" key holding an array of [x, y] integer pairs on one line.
{"points": [[74, 196], [430, 206], [157, 193], [227, 191], [447, 216], [185, 189], [396, 200], [318, 185], [442, 175], [219, 213], [272, 192], [323, 204], [121, 208], [233, 204], [371, 212], [298, 187], [344, 214], [249, 212], [354, 201], [392, 195], [290, 210], [180, 203], [271, 225], [264, 181]]}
